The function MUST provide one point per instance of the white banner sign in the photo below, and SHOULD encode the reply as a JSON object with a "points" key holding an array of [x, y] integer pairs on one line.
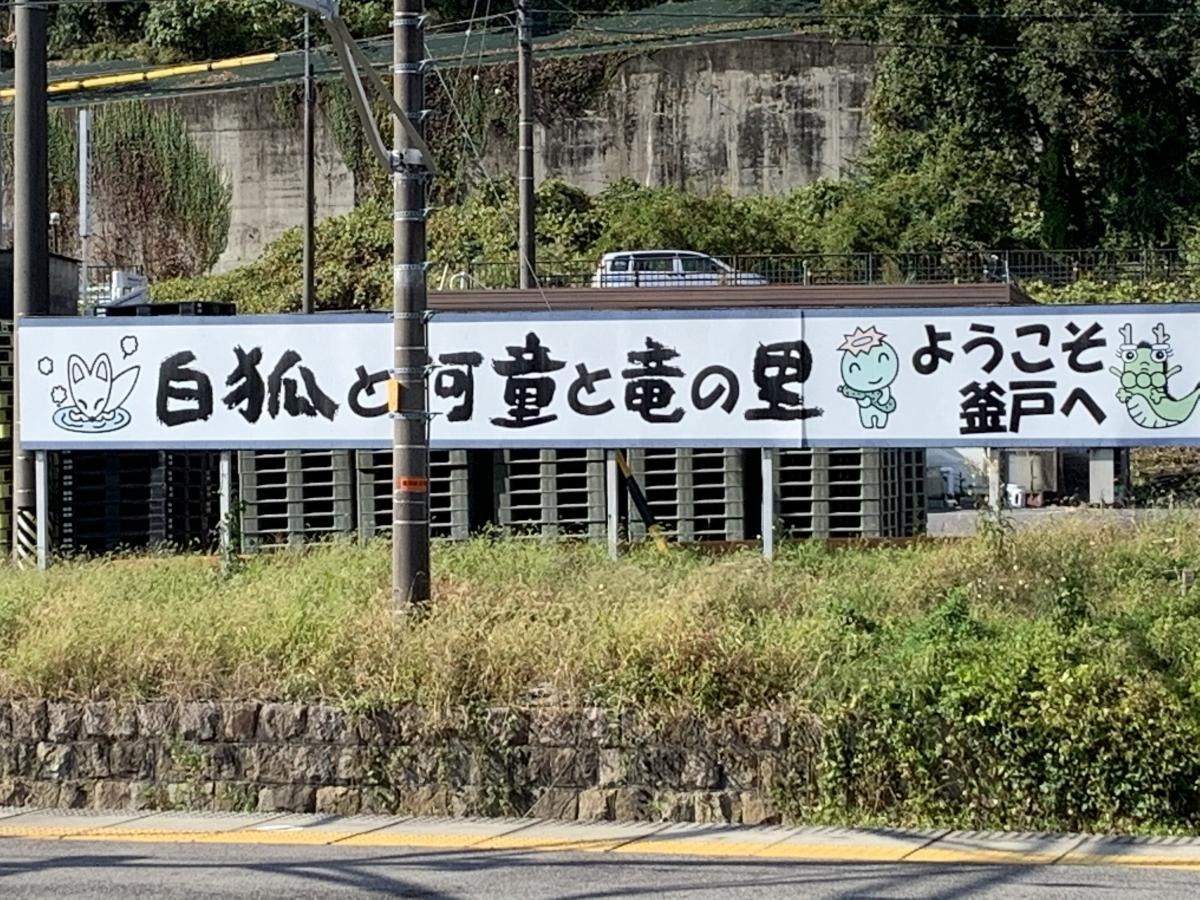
{"points": [[1011, 376]]}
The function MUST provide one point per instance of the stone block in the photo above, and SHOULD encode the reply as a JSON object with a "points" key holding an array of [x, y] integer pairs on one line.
{"points": [[700, 771], [631, 804], [601, 727], [199, 720], [718, 807], [43, 794], [76, 794], [758, 809], [314, 764], [557, 803], [13, 792], [673, 806], [62, 721], [555, 728], [508, 727], [325, 725], [235, 796], [239, 721], [136, 759], [55, 761], [9, 759], [596, 804], [614, 767], [28, 720], [190, 795], [224, 762], [92, 760], [185, 762], [765, 731], [352, 764], [339, 801], [108, 720], [659, 767], [112, 793], [429, 800], [281, 721], [6, 725], [147, 795], [156, 720], [741, 769]]}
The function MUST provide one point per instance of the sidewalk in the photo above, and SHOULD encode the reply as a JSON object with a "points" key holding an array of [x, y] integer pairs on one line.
{"points": [[645, 839]]}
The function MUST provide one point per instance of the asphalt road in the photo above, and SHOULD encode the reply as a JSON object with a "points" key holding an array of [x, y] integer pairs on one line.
{"points": [[109, 870]]}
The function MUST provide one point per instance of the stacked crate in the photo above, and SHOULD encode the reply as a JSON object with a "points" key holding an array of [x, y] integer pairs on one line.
{"points": [[695, 495], [6, 410], [864, 492], [449, 494], [552, 493], [290, 497], [105, 501]]}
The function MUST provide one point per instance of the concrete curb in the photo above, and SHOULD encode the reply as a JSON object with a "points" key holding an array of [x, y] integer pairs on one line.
{"points": [[645, 839]]}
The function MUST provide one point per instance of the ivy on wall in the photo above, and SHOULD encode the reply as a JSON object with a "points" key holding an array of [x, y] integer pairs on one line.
{"points": [[160, 202]]}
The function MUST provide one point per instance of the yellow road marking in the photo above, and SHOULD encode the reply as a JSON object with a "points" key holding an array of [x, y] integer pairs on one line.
{"points": [[695, 847]]}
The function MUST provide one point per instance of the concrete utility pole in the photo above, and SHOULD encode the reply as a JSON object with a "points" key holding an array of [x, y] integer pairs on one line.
{"points": [[31, 238], [410, 427], [309, 298], [85, 211], [527, 243]]}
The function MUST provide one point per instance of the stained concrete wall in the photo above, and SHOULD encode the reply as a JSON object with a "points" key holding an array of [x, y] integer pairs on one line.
{"points": [[261, 148], [753, 117]]}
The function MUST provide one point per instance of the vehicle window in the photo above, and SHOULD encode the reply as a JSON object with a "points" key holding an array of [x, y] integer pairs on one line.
{"points": [[619, 264], [654, 264], [704, 264]]}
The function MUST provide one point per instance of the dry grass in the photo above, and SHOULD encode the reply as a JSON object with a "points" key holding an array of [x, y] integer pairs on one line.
{"points": [[511, 619]]}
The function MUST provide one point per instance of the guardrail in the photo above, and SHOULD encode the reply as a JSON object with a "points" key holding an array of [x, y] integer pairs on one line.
{"points": [[1055, 267]]}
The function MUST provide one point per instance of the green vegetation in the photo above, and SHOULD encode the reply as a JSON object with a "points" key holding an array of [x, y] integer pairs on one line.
{"points": [[170, 30], [1046, 679], [165, 203], [1032, 122]]}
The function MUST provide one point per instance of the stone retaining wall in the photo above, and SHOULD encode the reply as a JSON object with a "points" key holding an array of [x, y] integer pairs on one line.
{"points": [[580, 764]]}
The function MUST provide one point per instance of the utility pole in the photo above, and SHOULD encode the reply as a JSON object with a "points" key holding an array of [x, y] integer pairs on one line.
{"points": [[410, 422], [31, 233], [85, 215], [527, 243], [308, 300]]}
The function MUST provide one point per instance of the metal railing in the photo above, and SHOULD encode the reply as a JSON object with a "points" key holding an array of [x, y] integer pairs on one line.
{"points": [[1053, 267]]}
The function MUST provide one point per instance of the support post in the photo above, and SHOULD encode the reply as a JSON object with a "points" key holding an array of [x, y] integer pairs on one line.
{"points": [[85, 181], [410, 424], [1102, 476], [768, 503], [527, 242], [31, 239], [997, 475], [225, 501], [612, 503], [42, 494], [308, 300]]}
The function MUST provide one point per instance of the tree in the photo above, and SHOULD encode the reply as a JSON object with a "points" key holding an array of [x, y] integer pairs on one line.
{"points": [[1062, 121]]}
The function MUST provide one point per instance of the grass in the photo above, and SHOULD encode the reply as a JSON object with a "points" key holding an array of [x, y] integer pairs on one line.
{"points": [[1045, 679], [511, 618]]}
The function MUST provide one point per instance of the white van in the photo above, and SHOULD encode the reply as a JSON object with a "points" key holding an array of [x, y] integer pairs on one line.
{"points": [[667, 268]]}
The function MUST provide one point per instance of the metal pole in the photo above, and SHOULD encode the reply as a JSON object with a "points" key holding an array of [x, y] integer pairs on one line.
{"points": [[31, 245], [308, 301], [527, 242], [41, 493], [410, 424], [225, 501], [85, 229], [768, 503], [612, 501]]}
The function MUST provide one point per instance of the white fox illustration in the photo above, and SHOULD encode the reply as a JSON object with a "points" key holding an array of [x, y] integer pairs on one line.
{"points": [[96, 394]]}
